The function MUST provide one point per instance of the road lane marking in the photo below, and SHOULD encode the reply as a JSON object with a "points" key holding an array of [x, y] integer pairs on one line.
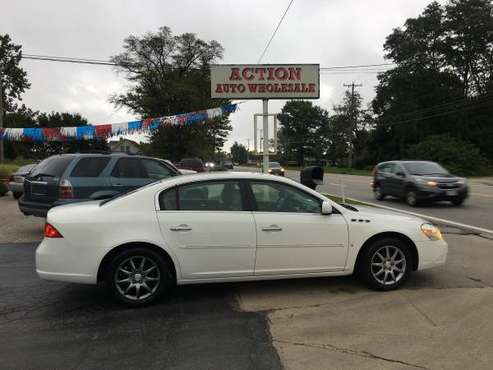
{"points": [[431, 218]]}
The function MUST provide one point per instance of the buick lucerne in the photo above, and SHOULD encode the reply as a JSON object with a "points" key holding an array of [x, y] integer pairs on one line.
{"points": [[225, 227]]}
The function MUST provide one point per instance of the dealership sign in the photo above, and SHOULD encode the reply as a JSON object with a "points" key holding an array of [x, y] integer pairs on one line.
{"points": [[265, 81]]}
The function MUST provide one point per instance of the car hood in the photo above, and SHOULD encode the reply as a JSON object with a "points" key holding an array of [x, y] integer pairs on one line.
{"points": [[438, 178], [375, 212]]}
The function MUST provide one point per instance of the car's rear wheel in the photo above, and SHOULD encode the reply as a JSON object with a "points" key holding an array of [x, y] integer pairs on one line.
{"points": [[138, 276], [411, 198], [16, 194], [387, 264], [377, 192]]}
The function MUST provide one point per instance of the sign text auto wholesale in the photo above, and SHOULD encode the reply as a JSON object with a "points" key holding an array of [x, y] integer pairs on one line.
{"points": [[265, 81]]}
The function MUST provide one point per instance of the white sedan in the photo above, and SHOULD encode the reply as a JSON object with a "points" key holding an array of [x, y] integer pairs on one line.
{"points": [[229, 227]]}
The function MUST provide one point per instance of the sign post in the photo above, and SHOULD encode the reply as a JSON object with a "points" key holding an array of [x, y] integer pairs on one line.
{"points": [[265, 81], [265, 112]]}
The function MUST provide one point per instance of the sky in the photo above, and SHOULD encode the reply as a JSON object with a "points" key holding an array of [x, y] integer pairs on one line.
{"points": [[327, 32]]}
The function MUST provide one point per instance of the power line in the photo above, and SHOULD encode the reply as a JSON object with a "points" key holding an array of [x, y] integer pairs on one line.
{"points": [[275, 31], [67, 60], [363, 68], [439, 108], [442, 114], [357, 66]]}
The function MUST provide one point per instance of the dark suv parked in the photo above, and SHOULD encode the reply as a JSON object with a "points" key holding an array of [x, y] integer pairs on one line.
{"points": [[69, 178], [416, 181]]}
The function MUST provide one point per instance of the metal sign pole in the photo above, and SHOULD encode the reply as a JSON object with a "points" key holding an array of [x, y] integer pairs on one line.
{"points": [[265, 103]]}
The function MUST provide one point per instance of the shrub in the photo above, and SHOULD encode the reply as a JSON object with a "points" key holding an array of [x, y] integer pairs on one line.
{"points": [[459, 157], [4, 175]]}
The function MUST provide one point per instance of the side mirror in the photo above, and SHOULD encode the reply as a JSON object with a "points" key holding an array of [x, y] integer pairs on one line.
{"points": [[401, 174], [326, 208]]}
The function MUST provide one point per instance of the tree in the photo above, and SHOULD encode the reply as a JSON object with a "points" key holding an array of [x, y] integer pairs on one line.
{"points": [[239, 153], [459, 157], [25, 117], [348, 130], [13, 78], [169, 75], [300, 134], [442, 82]]}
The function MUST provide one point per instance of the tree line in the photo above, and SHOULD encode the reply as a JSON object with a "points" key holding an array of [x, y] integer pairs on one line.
{"points": [[435, 103]]}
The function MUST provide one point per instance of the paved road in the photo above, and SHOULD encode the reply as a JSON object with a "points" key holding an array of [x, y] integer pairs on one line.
{"points": [[48, 325], [476, 211], [440, 320]]}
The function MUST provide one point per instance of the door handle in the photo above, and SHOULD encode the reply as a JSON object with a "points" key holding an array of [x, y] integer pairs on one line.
{"points": [[117, 185], [182, 227], [272, 228]]}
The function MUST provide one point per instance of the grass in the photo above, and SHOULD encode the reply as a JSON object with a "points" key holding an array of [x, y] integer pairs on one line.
{"points": [[331, 169], [339, 200]]}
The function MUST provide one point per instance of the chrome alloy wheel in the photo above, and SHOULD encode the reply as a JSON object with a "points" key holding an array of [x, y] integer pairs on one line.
{"points": [[137, 278], [388, 265]]}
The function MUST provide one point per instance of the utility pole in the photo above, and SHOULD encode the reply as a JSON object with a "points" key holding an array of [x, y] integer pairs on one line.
{"points": [[353, 122], [248, 150]]}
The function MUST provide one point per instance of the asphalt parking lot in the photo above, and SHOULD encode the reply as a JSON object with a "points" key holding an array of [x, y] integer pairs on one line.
{"points": [[440, 320]]}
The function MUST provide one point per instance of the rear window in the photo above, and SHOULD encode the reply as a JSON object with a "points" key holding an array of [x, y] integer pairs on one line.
{"points": [[52, 166], [90, 167]]}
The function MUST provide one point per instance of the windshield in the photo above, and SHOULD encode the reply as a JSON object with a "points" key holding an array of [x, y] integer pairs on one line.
{"points": [[274, 164], [425, 168]]}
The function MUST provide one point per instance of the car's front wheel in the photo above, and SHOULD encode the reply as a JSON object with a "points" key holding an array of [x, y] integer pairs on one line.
{"points": [[138, 276], [377, 192], [387, 264], [411, 198], [458, 201]]}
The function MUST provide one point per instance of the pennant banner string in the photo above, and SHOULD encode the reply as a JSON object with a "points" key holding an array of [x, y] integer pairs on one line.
{"points": [[103, 131]]}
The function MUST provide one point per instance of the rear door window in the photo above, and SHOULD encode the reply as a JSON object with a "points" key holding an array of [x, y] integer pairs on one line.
{"points": [[53, 166], [90, 167], [128, 168], [156, 170], [168, 200], [210, 196]]}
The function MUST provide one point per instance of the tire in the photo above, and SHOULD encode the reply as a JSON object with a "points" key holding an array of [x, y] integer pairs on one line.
{"points": [[386, 252], [16, 194], [377, 193], [411, 198], [157, 279], [458, 201]]}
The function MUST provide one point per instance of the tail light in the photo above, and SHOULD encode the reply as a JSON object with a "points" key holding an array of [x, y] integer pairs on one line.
{"points": [[51, 232], [65, 190]]}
